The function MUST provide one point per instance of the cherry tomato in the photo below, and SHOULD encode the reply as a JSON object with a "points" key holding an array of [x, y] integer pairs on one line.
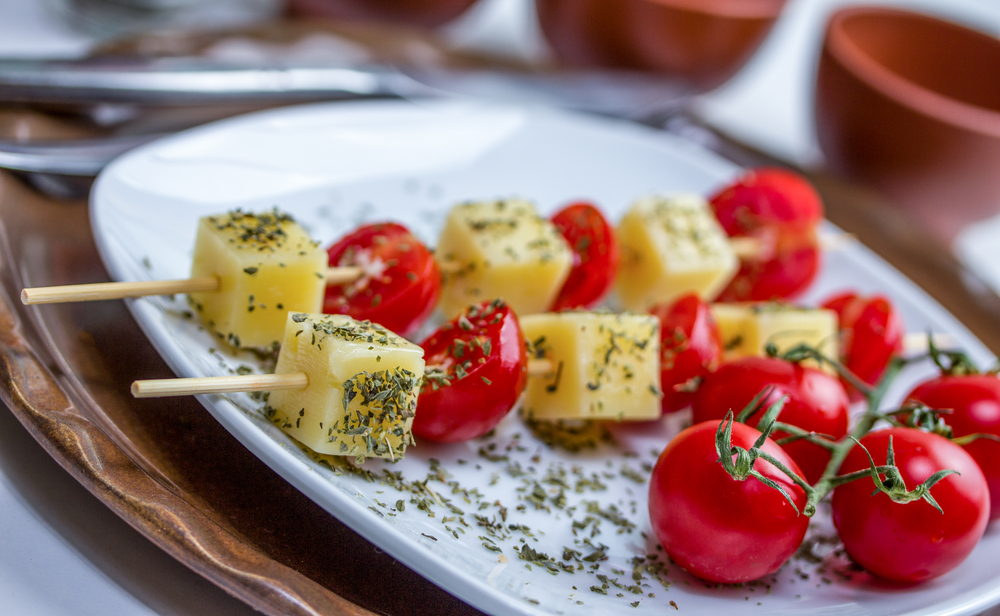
{"points": [[781, 209], [912, 542], [974, 400], [718, 528], [871, 334], [479, 362], [783, 276], [401, 282], [816, 402], [595, 255], [691, 348]]}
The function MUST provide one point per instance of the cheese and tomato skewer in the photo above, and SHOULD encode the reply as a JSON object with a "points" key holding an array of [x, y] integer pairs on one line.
{"points": [[249, 270], [487, 249], [347, 387]]}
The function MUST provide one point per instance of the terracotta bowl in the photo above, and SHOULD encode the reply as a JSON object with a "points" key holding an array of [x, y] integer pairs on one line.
{"points": [[910, 105], [423, 13], [701, 41]]}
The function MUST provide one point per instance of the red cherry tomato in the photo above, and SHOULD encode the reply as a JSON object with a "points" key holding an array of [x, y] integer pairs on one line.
{"points": [[974, 400], [783, 276], [718, 528], [481, 363], [816, 402], [595, 255], [871, 334], [401, 282], [691, 347], [912, 542], [781, 209]]}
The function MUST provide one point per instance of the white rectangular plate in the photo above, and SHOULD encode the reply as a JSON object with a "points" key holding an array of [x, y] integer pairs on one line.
{"points": [[334, 166]]}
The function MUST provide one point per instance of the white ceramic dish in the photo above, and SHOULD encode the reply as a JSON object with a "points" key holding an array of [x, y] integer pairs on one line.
{"points": [[336, 165]]}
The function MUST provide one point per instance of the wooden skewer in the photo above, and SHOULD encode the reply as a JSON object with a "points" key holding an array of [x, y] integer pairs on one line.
{"points": [[165, 388], [747, 247], [916, 342], [118, 290]]}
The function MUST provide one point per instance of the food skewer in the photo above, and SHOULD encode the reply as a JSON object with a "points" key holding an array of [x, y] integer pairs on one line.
{"points": [[744, 247], [918, 342], [166, 388], [119, 290]]}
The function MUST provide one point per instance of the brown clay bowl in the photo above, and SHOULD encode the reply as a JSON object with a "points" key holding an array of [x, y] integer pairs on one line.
{"points": [[910, 105], [703, 42], [422, 13]]}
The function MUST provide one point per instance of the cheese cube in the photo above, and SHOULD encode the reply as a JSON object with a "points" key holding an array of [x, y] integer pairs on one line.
{"points": [[671, 246], [266, 265], [605, 366], [501, 249], [363, 386], [746, 329]]}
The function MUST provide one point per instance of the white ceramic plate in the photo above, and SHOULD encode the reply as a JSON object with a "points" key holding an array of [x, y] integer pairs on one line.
{"points": [[336, 165]]}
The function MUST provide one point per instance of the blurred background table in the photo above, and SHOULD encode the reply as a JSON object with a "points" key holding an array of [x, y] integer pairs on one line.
{"points": [[63, 552]]}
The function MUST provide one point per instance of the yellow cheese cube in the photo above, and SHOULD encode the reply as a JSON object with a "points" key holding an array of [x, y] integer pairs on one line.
{"points": [[501, 249], [363, 386], [746, 329], [671, 247], [266, 266], [605, 366]]}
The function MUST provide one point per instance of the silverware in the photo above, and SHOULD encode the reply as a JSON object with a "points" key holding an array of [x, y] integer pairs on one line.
{"points": [[123, 94], [182, 81]]}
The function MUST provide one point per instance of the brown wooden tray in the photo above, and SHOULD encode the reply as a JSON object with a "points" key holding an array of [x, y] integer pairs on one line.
{"points": [[169, 470]]}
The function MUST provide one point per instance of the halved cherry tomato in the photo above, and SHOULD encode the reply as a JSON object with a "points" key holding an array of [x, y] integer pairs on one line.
{"points": [[816, 402], [690, 348], [912, 542], [974, 400], [401, 282], [871, 334], [781, 209], [716, 527], [477, 369], [595, 255]]}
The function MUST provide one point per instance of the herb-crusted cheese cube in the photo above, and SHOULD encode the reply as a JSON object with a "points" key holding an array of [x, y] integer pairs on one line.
{"points": [[363, 386], [747, 328], [501, 249], [671, 247], [605, 366], [266, 265]]}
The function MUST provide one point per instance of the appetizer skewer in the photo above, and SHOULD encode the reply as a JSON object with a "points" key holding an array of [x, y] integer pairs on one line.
{"points": [[486, 249], [145, 288], [245, 383]]}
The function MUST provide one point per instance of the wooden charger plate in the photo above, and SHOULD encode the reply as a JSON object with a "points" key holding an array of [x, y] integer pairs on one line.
{"points": [[169, 470]]}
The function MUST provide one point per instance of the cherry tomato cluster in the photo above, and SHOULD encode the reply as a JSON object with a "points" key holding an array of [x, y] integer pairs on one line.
{"points": [[730, 501], [935, 472]]}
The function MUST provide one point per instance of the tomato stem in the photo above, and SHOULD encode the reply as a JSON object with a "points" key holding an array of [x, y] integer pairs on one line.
{"points": [[797, 434], [874, 396], [849, 477], [804, 351]]}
